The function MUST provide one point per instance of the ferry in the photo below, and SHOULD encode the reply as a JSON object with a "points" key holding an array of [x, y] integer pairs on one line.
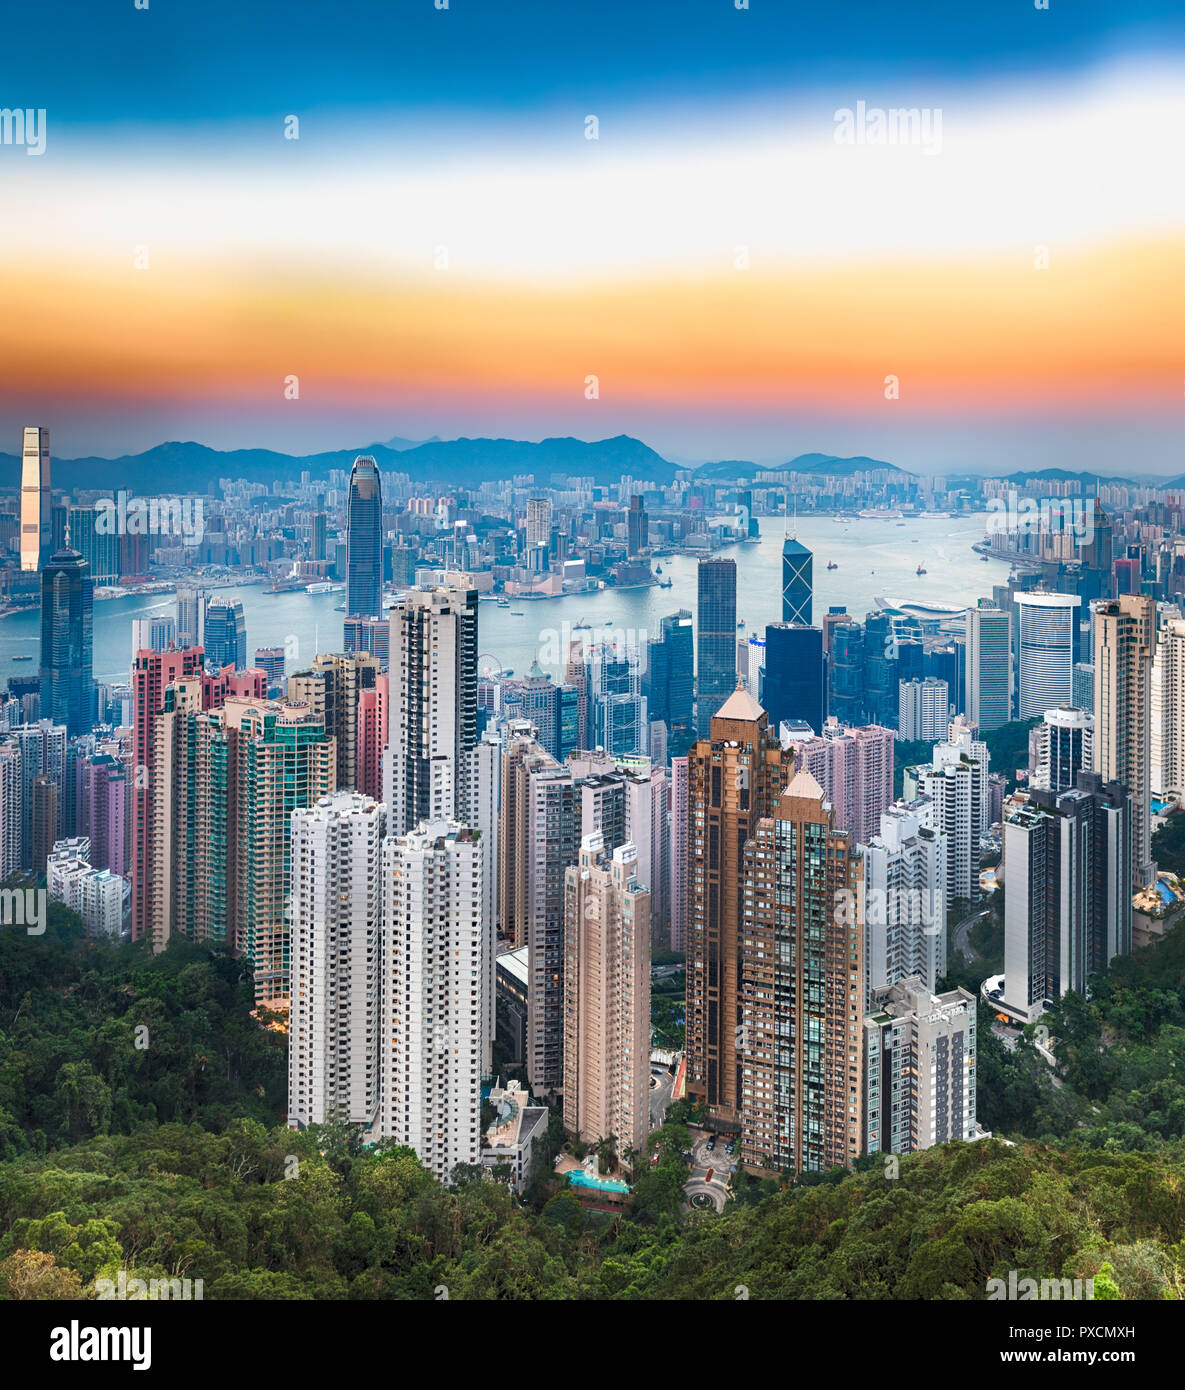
{"points": [[22, 658], [503, 602], [323, 586]]}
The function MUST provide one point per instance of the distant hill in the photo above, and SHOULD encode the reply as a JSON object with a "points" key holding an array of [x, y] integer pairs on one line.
{"points": [[1062, 475], [816, 465], [468, 462]]}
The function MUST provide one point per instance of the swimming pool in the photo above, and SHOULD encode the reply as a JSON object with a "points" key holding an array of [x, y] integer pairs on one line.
{"points": [[579, 1178], [1167, 896]]}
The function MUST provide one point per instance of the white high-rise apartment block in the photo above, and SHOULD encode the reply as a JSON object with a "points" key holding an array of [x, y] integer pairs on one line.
{"points": [[333, 1027], [1046, 632], [923, 709], [538, 526], [97, 895], [11, 820], [1060, 748], [432, 1011], [1168, 711], [904, 887], [485, 806], [956, 782], [432, 711]]}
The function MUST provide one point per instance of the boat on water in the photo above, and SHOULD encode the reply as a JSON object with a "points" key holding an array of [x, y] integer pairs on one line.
{"points": [[339, 607], [323, 586], [503, 603], [23, 658], [608, 622], [741, 623], [831, 565], [516, 612], [921, 569], [658, 569], [665, 584]]}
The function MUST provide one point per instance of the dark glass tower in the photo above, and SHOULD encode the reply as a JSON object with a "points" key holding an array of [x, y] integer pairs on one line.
{"points": [[67, 617], [795, 678], [669, 685], [797, 582], [226, 634], [364, 541], [716, 638]]}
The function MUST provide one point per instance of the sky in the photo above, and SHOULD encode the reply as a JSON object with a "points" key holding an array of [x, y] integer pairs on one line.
{"points": [[747, 261]]}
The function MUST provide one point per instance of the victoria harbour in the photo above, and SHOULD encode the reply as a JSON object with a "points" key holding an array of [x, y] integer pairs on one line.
{"points": [[874, 558]]}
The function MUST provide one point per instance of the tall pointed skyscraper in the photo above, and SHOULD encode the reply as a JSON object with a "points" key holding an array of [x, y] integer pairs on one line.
{"points": [[67, 605], [716, 638], [364, 541], [797, 581], [36, 508]]}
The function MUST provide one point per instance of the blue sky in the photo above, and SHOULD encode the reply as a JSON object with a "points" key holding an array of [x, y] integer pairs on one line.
{"points": [[101, 61]]}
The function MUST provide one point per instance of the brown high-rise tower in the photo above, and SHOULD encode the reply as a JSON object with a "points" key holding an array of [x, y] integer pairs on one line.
{"points": [[735, 777]]}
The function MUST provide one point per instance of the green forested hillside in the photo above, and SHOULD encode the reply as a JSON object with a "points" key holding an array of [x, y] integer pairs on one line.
{"points": [[172, 1159]]}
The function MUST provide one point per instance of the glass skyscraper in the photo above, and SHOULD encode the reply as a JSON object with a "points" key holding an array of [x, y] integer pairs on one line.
{"points": [[226, 634], [67, 617], [364, 541], [797, 582], [716, 638]]}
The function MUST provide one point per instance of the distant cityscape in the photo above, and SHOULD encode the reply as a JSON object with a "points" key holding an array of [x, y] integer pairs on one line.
{"points": [[455, 885]]}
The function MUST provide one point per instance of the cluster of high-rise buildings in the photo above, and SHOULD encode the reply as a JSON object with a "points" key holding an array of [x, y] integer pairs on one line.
{"points": [[430, 862]]}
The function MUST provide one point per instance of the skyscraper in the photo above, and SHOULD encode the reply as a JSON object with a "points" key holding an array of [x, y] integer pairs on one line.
{"points": [[364, 540], [226, 634], [735, 778], [1046, 647], [923, 709], [617, 711], [433, 705], [920, 1055], [637, 525], [1168, 712], [680, 811], [431, 1010], [794, 685], [333, 689], [334, 1045], [669, 682], [606, 996], [36, 508], [956, 784], [67, 617], [855, 769], [802, 992], [1060, 748], [797, 582], [191, 617], [904, 870], [715, 638], [989, 667], [1124, 637], [1067, 912]]}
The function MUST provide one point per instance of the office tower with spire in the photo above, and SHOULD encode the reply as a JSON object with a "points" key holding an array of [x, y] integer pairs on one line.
{"points": [[433, 705], [989, 667], [797, 581], [67, 641], [364, 540], [716, 659], [606, 997], [226, 634], [1046, 649], [801, 991], [735, 777], [1124, 643], [334, 1046], [36, 499], [431, 1010]]}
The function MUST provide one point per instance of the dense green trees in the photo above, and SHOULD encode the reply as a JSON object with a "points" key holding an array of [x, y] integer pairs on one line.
{"points": [[169, 1159]]}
